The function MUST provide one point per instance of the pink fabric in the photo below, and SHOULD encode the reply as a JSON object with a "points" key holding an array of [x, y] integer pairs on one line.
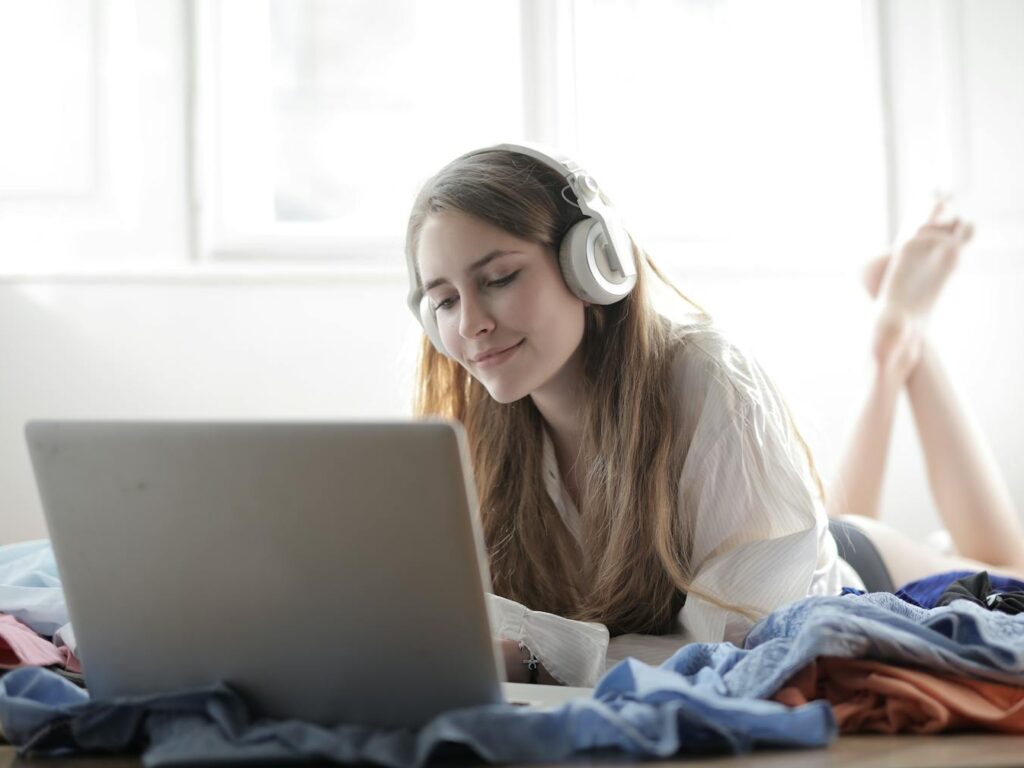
{"points": [[21, 647], [869, 696], [71, 663]]}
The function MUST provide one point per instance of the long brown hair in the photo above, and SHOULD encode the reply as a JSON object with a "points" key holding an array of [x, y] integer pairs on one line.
{"points": [[631, 570]]}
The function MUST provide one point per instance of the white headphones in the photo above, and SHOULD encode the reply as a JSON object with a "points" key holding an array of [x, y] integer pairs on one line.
{"points": [[595, 255]]}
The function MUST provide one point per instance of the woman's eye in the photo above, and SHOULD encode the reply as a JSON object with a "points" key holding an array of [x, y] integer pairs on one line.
{"points": [[501, 282], [504, 280]]}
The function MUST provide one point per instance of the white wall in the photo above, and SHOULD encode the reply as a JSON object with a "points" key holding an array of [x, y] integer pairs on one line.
{"points": [[333, 348], [193, 348]]}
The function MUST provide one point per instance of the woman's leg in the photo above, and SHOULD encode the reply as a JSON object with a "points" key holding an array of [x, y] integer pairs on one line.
{"points": [[908, 559], [857, 486], [968, 489], [965, 480]]}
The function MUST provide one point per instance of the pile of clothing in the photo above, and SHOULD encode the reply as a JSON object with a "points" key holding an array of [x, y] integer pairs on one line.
{"points": [[876, 662], [34, 626]]}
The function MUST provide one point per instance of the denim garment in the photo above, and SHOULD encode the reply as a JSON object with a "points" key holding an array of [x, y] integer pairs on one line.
{"points": [[44, 714], [707, 697], [960, 638]]}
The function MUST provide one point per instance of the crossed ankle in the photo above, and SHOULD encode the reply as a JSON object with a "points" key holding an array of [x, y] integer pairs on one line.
{"points": [[897, 345]]}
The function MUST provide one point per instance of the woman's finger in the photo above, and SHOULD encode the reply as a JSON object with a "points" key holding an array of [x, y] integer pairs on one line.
{"points": [[949, 227], [965, 231], [936, 239], [937, 209]]}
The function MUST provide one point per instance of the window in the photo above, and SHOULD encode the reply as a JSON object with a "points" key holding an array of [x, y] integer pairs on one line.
{"points": [[326, 116], [93, 162], [291, 131], [735, 131]]}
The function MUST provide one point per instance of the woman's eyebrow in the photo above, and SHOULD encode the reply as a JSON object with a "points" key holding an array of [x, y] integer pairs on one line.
{"points": [[474, 266]]}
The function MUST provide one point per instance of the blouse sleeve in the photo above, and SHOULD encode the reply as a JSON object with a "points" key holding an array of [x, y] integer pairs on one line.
{"points": [[572, 651], [759, 532]]}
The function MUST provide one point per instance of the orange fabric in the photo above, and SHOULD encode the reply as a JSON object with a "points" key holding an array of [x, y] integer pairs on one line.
{"points": [[871, 696]]}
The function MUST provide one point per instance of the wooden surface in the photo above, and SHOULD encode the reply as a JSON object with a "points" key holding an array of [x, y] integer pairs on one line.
{"points": [[963, 751]]}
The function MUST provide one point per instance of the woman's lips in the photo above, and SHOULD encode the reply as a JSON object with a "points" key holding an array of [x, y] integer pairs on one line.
{"points": [[500, 357]]}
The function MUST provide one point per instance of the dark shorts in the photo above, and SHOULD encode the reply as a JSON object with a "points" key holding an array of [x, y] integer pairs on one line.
{"points": [[856, 549]]}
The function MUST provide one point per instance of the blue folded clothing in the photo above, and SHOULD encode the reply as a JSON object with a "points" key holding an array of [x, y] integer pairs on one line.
{"points": [[43, 714], [959, 639], [708, 697]]}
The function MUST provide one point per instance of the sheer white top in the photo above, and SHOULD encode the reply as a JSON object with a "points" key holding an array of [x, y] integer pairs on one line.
{"points": [[760, 532]]}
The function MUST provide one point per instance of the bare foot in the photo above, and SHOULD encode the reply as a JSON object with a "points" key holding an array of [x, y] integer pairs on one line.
{"points": [[906, 286], [916, 274]]}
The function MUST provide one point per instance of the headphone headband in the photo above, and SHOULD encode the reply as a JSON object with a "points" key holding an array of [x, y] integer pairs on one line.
{"points": [[588, 196]]}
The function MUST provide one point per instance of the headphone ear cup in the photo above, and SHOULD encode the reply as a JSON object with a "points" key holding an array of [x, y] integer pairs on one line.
{"points": [[572, 258], [429, 323], [581, 265]]}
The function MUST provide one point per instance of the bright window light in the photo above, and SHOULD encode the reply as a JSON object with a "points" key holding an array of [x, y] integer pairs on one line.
{"points": [[330, 114], [47, 134], [737, 121]]}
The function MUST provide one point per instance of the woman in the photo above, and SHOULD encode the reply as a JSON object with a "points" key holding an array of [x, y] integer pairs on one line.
{"points": [[639, 478]]}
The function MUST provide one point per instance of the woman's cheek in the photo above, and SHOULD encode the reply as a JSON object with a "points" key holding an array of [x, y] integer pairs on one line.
{"points": [[521, 306], [449, 330]]}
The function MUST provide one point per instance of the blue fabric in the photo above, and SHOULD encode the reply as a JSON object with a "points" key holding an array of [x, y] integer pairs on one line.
{"points": [[30, 588], [961, 638], [45, 715], [927, 591], [902, 595], [706, 697]]}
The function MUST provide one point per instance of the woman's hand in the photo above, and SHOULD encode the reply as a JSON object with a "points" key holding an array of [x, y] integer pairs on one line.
{"points": [[516, 668]]}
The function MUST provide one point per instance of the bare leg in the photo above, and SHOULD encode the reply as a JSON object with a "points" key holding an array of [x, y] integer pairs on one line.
{"points": [[968, 488], [857, 486], [909, 560]]}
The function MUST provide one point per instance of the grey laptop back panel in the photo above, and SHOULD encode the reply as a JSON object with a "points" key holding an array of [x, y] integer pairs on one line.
{"points": [[331, 572]]}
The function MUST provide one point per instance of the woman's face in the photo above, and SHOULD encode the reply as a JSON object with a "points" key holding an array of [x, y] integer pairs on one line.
{"points": [[502, 308]]}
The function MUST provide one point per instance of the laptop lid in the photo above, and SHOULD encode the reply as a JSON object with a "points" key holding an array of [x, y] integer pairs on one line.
{"points": [[331, 572]]}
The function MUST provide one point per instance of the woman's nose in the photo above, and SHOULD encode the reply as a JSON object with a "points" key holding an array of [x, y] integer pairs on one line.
{"points": [[475, 319]]}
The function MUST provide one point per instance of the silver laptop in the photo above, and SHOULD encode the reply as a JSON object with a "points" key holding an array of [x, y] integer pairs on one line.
{"points": [[330, 572]]}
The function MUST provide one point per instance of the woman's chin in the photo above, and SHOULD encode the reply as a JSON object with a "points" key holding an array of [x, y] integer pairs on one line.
{"points": [[504, 393]]}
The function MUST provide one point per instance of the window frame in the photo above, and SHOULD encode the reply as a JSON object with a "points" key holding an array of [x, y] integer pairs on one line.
{"points": [[322, 245]]}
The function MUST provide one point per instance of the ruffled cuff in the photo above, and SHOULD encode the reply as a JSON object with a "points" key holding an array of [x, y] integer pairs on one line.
{"points": [[572, 651]]}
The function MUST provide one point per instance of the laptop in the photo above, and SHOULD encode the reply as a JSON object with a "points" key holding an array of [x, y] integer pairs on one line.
{"points": [[329, 572]]}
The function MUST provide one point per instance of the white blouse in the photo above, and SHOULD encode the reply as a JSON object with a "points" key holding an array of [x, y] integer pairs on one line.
{"points": [[760, 532]]}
